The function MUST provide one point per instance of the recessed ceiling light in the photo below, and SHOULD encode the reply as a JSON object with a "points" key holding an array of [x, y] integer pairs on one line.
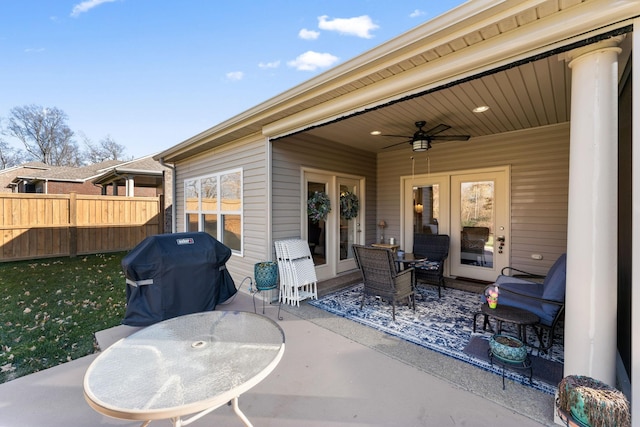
{"points": [[480, 109], [375, 132]]}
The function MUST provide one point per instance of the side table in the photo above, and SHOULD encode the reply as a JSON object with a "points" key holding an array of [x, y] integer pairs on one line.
{"points": [[505, 313], [394, 248]]}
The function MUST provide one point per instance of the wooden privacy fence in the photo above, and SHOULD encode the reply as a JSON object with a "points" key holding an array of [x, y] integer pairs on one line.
{"points": [[51, 225]]}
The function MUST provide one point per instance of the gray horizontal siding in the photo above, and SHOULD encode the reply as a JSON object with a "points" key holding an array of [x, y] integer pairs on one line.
{"points": [[291, 154], [250, 156], [539, 160]]}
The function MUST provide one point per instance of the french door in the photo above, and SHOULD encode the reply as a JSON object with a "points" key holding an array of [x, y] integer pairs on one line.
{"points": [[472, 208], [479, 224], [331, 239]]}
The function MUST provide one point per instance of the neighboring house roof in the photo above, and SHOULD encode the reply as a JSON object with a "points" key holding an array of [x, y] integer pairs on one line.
{"points": [[477, 39], [99, 173], [65, 173], [142, 167]]}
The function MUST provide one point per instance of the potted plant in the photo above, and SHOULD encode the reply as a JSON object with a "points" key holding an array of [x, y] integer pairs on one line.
{"points": [[508, 349], [592, 403], [266, 275]]}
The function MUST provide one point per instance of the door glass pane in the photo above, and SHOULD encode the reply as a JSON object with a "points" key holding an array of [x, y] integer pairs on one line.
{"points": [[477, 219], [316, 234], [426, 209], [347, 226]]}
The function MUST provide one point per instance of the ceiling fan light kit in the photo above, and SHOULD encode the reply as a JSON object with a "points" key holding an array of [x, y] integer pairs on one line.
{"points": [[420, 145], [421, 139]]}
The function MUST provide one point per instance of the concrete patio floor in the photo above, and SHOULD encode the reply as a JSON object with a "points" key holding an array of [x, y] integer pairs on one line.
{"points": [[334, 373]]}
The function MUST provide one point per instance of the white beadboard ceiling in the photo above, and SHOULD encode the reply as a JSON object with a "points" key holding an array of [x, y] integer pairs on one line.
{"points": [[530, 95]]}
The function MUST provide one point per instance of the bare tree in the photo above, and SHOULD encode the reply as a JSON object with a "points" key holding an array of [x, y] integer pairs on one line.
{"points": [[45, 135], [106, 149], [9, 156]]}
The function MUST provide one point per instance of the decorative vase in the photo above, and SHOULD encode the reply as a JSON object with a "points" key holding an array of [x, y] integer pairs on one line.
{"points": [[592, 403], [266, 275], [508, 349]]}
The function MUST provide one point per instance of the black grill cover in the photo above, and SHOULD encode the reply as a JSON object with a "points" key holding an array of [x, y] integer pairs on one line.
{"points": [[169, 275]]}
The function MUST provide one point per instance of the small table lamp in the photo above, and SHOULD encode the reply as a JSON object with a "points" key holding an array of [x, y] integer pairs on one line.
{"points": [[382, 224]]}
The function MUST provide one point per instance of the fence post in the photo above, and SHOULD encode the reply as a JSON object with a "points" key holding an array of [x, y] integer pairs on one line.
{"points": [[73, 225], [161, 225]]}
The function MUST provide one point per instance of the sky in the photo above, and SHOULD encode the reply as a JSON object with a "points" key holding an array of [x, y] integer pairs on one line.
{"points": [[150, 74]]}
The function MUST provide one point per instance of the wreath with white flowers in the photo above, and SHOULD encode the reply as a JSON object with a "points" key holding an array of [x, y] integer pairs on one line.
{"points": [[349, 205], [318, 206]]}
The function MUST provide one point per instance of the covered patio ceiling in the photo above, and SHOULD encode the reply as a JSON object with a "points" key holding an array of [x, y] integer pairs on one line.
{"points": [[531, 94]]}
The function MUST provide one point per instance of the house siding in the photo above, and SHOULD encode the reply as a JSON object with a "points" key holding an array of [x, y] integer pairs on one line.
{"points": [[291, 154], [250, 155], [539, 161]]}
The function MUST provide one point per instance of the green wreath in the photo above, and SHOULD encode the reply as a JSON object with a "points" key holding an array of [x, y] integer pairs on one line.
{"points": [[349, 205], [318, 206]]}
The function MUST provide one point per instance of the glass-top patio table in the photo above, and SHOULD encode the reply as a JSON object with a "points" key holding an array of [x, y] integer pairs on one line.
{"points": [[188, 365]]}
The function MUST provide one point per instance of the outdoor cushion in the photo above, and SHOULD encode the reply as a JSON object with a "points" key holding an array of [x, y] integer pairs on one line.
{"points": [[555, 283], [531, 305], [426, 265], [520, 285]]}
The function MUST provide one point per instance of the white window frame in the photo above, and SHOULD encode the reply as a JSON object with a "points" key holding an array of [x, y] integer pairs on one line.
{"points": [[218, 211]]}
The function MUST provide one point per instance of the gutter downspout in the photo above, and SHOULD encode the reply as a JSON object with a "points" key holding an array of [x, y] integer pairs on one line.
{"points": [[173, 192]]}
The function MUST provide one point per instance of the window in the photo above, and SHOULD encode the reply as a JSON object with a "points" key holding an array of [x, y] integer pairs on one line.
{"points": [[213, 204]]}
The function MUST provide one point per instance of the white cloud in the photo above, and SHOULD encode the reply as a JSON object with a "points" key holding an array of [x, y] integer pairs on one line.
{"points": [[416, 13], [308, 34], [235, 75], [266, 65], [359, 26], [87, 5], [311, 61]]}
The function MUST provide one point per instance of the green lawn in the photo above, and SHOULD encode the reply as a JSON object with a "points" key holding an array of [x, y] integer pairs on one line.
{"points": [[51, 308]]}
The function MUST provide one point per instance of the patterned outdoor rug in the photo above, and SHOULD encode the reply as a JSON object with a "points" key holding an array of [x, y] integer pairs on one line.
{"points": [[444, 325]]}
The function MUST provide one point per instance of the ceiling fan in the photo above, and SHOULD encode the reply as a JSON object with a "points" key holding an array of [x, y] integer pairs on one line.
{"points": [[421, 139]]}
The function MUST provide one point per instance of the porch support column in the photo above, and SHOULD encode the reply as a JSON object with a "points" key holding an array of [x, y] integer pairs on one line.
{"points": [[591, 306], [130, 186]]}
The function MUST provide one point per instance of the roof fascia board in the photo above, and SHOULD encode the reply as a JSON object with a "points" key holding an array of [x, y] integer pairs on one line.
{"points": [[536, 38]]}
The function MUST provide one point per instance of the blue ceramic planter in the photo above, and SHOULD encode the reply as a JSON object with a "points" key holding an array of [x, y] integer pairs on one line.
{"points": [[508, 349], [266, 275]]}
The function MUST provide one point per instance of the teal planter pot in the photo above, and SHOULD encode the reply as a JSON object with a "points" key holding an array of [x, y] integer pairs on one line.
{"points": [[508, 349], [266, 275]]}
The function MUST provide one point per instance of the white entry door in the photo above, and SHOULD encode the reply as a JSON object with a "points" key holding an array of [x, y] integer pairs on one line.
{"points": [[472, 208], [331, 239], [349, 230], [480, 232]]}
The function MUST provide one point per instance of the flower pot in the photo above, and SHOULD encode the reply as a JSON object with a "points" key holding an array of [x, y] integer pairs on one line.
{"points": [[592, 403], [508, 349], [266, 275]]}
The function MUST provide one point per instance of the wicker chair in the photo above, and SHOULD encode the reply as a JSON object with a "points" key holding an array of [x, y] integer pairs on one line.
{"points": [[381, 277], [434, 248]]}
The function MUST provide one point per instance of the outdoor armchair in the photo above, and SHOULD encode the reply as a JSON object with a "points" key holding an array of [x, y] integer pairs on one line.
{"points": [[545, 298], [381, 277], [434, 249]]}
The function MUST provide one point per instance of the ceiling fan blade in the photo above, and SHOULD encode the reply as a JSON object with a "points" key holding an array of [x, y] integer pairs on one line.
{"points": [[396, 144], [450, 137], [440, 128], [397, 136]]}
